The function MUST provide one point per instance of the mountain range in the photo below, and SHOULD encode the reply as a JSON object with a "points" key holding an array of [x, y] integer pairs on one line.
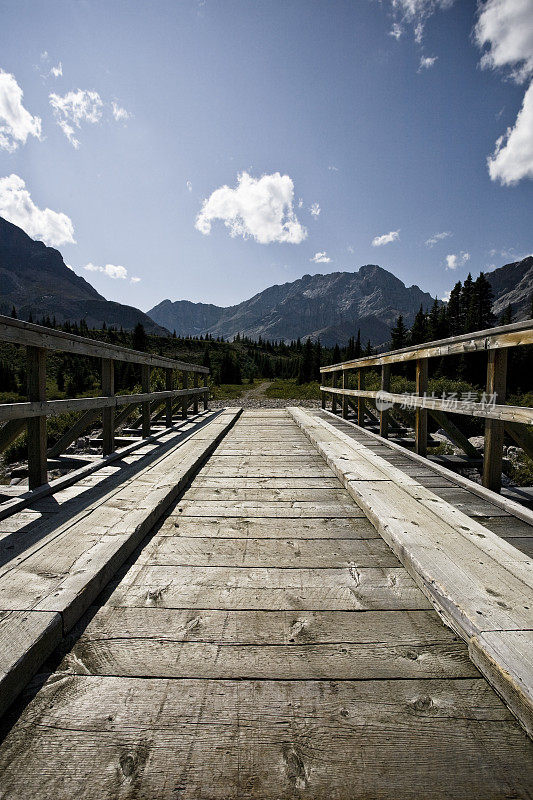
{"points": [[330, 307], [35, 279]]}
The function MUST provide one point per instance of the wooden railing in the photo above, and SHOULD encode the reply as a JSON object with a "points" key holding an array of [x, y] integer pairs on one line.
{"points": [[32, 414], [499, 418]]}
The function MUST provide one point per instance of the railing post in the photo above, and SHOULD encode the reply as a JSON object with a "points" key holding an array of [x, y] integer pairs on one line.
{"points": [[494, 428], [185, 400], [195, 385], [334, 396], [360, 400], [206, 393], [421, 415], [145, 407], [36, 367], [344, 397], [168, 401], [323, 394], [108, 414], [384, 414]]}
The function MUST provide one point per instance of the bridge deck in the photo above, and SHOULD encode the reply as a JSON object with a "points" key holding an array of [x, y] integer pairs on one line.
{"points": [[265, 642]]}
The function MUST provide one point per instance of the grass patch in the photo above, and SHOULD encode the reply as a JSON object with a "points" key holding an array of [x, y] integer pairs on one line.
{"points": [[288, 389]]}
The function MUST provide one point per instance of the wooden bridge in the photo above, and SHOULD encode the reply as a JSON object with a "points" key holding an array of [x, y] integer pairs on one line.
{"points": [[259, 604]]}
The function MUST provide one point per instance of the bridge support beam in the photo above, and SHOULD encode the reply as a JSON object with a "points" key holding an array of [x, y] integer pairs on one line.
{"points": [[384, 414], [421, 415], [145, 407], [108, 414], [344, 397], [184, 404], [36, 367], [168, 402], [494, 428], [360, 400]]}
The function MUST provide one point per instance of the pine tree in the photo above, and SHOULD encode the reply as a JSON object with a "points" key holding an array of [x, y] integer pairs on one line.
{"points": [[336, 354], [140, 339], [398, 334], [358, 344], [14, 313], [482, 303], [306, 363], [419, 329], [433, 322], [507, 315], [455, 317], [469, 313]]}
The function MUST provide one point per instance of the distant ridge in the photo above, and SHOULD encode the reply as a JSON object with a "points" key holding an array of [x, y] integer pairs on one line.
{"points": [[330, 307], [513, 283], [35, 279]]}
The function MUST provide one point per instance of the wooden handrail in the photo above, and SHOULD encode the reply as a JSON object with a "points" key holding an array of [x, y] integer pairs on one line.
{"points": [[518, 333], [499, 417], [38, 340], [16, 331]]}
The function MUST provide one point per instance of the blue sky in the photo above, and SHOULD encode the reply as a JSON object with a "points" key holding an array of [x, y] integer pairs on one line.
{"points": [[334, 96]]}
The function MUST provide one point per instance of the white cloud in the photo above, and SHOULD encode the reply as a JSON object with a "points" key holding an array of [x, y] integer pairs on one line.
{"points": [[52, 227], [350, 249], [505, 28], [396, 31], [16, 123], [57, 72], [453, 260], [134, 279], [261, 208], [333, 168], [120, 114], [426, 62], [415, 13], [74, 108], [320, 258], [315, 209], [386, 238], [446, 296], [437, 237], [512, 159], [111, 270], [189, 186]]}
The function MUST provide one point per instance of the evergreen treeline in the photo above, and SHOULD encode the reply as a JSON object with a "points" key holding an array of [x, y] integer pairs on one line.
{"points": [[468, 309], [230, 362]]}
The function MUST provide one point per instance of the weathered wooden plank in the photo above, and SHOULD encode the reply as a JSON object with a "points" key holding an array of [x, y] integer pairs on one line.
{"points": [[274, 644], [265, 553], [278, 589], [279, 510], [268, 739], [269, 494], [27, 638], [232, 482], [506, 659], [270, 528]]}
